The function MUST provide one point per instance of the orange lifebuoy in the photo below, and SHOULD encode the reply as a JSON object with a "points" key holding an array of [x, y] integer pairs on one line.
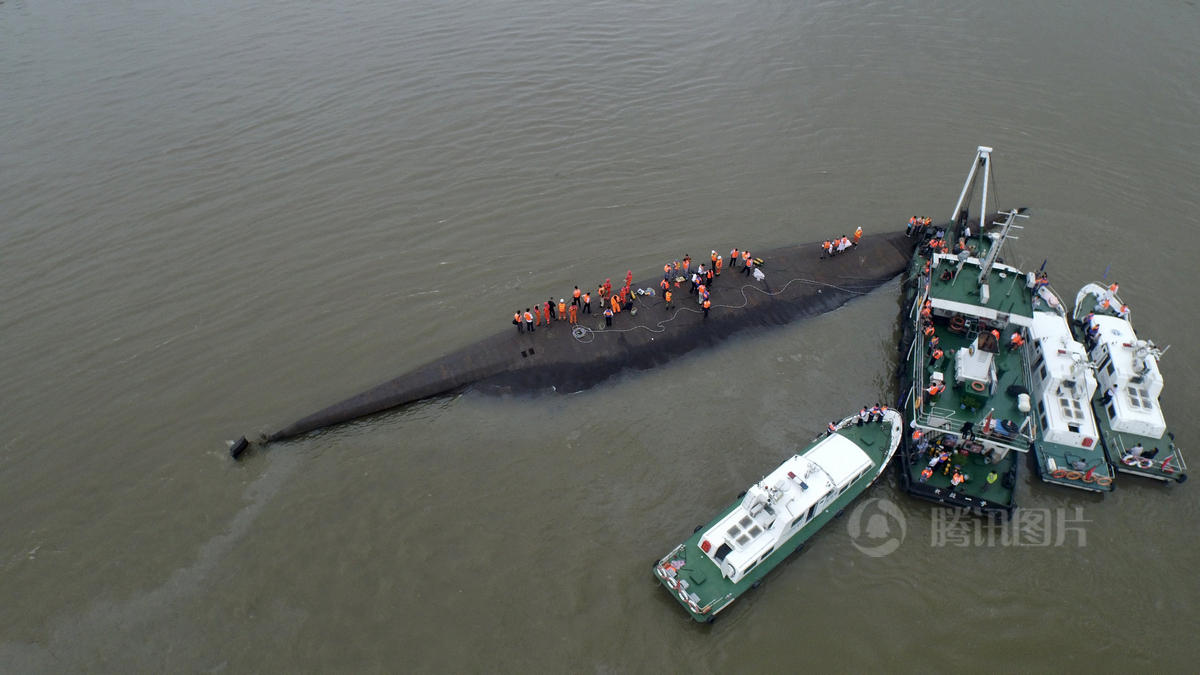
{"points": [[978, 386], [1074, 475], [1089, 478], [1103, 481], [957, 322], [1059, 473]]}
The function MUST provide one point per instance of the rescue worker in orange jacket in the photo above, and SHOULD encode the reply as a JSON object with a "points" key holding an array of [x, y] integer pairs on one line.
{"points": [[707, 305], [749, 263], [857, 236], [587, 303], [575, 296], [574, 312], [717, 266], [616, 304], [667, 299], [550, 310], [562, 309], [1015, 341], [537, 315], [519, 321], [935, 389], [935, 356], [832, 427], [528, 320], [733, 258]]}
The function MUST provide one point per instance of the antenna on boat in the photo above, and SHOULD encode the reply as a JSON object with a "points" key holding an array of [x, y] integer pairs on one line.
{"points": [[999, 239]]}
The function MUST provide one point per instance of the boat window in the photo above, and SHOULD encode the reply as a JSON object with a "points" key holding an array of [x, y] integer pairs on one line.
{"points": [[1070, 408], [1112, 411], [1042, 371], [797, 520], [810, 512], [764, 556], [1110, 368], [1140, 398]]}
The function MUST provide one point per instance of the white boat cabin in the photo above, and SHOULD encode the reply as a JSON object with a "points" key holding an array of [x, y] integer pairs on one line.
{"points": [[1063, 383], [778, 506], [1132, 366]]}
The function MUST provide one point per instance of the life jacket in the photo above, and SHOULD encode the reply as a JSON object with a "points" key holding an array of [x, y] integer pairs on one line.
{"points": [[517, 317], [587, 299], [664, 284], [616, 304], [562, 309], [1113, 288], [929, 330], [717, 265], [667, 268], [733, 255], [576, 294], [857, 235], [608, 312], [708, 275], [926, 473], [937, 354], [667, 297], [832, 427], [714, 257], [707, 304], [528, 317], [749, 262], [916, 434], [745, 255], [574, 312]]}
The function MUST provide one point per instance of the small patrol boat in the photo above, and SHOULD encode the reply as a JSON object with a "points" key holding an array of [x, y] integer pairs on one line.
{"points": [[1067, 450], [964, 395], [777, 515], [1128, 414]]}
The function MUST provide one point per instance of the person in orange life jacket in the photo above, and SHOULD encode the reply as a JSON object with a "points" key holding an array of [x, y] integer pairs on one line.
{"points": [[733, 258], [935, 389], [587, 303], [550, 310], [876, 413], [912, 223], [667, 272], [717, 266], [935, 356], [1015, 341], [746, 258], [934, 342], [607, 287], [749, 263], [574, 311], [882, 411], [608, 315], [707, 304], [625, 294], [713, 259], [832, 427], [664, 285], [928, 329], [667, 299], [628, 277], [857, 236], [615, 304], [537, 315], [528, 320], [708, 276], [562, 309], [695, 279], [926, 474], [575, 296], [519, 321]]}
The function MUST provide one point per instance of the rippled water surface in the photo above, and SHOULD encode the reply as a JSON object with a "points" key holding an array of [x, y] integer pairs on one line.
{"points": [[217, 217]]}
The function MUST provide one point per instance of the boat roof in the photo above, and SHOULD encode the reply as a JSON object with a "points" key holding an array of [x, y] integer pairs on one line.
{"points": [[1122, 342], [1058, 347], [788, 492]]}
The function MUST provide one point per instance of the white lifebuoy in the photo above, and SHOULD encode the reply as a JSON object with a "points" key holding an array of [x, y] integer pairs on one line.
{"points": [[1145, 462], [1129, 460], [684, 596], [693, 606]]}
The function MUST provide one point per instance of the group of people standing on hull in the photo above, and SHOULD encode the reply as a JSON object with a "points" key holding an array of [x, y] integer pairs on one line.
{"points": [[675, 273], [832, 247]]}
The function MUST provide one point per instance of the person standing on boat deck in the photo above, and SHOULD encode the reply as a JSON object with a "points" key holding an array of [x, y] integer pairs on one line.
{"points": [[667, 299], [912, 223], [876, 414], [575, 296], [1123, 312], [707, 304], [587, 303], [863, 416], [550, 311], [832, 428], [713, 258], [607, 287], [748, 268], [733, 258], [519, 322], [528, 320], [562, 309], [1015, 341], [537, 314], [857, 235], [574, 312], [1135, 451], [608, 314], [717, 266]]}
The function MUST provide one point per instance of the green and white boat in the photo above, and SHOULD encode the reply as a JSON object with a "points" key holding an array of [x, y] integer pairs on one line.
{"points": [[965, 395], [1068, 450], [777, 515], [1128, 413]]}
